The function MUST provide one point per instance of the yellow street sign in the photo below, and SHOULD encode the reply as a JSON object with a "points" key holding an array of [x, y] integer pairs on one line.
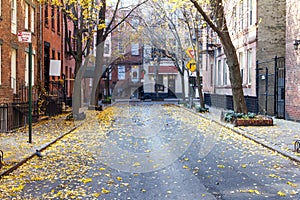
{"points": [[190, 52], [191, 65]]}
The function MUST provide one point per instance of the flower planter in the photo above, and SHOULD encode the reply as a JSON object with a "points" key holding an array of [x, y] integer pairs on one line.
{"points": [[257, 121]]}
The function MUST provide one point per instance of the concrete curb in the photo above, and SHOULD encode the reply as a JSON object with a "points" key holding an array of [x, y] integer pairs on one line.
{"points": [[44, 146], [244, 134]]}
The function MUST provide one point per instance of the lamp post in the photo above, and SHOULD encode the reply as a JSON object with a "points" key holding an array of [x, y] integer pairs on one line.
{"points": [[296, 44]]}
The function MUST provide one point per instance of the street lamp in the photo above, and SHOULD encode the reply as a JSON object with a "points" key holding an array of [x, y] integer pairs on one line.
{"points": [[296, 44]]}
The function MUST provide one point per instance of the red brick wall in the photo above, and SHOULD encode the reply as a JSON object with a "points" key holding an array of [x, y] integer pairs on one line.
{"points": [[292, 96], [10, 41], [52, 36]]}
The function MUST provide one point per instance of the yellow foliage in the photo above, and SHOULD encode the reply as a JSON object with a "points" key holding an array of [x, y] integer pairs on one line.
{"points": [[282, 194], [104, 191], [86, 180]]}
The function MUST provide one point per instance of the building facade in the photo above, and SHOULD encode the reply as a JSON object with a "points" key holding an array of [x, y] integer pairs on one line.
{"points": [[292, 81], [257, 29], [16, 16]]}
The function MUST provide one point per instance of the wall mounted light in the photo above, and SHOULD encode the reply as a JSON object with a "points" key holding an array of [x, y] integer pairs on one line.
{"points": [[296, 44]]}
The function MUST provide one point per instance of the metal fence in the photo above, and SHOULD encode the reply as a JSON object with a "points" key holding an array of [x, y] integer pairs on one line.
{"points": [[270, 87]]}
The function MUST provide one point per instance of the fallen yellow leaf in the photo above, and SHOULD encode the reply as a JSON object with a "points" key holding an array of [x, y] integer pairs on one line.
{"points": [[292, 184], [104, 191], [86, 180], [282, 194], [136, 164]]}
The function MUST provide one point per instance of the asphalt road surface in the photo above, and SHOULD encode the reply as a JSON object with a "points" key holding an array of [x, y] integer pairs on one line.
{"points": [[154, 152]]}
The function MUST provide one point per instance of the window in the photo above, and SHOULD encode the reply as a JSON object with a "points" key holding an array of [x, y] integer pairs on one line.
{"points": [[58, 20], [26, 68], [0, 59], [58, 56], [52, 17], [241, 61], [14, 16], [234, 16], [121, 47], [0, 8], [26, 13], [53, 54], [121, 72], [14, 70], [135, 49], [46, 15], [225, 72], [135, 23], [32, 17], [249, 64], [32, 69], [250, 6], [241, 13], [219, 79]]}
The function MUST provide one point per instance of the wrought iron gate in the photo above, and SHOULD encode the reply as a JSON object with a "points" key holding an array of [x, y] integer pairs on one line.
{"points": [[270, 87]]}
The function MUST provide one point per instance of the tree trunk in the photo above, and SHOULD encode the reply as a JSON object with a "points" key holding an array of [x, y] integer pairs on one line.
{"points": [[97, 74], [76, 98], [234, 74], [200, 89]]}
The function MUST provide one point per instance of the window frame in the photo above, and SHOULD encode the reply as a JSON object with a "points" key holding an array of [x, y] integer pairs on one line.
{"points": [[26, 16], [32, 19], [14, 16], [58, 18], [46, 14], [13, 72], [26, 77], [0, 61], [52, 17], [250, 12], [249, 65]]}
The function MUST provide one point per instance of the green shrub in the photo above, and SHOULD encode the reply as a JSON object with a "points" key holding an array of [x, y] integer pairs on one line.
{"points": [[231, 116]]}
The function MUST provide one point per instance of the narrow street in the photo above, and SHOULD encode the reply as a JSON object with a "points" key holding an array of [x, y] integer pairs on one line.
{"points": [[153, 152]]}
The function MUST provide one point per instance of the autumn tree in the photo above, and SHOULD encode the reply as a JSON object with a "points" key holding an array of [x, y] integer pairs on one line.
{"points": [[162, 31], [113, 19], [214, 16], [213, 13]]}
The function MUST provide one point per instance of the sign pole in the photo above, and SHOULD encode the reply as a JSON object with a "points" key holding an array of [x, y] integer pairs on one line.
{"points": [[26, 37], [30, 93]]}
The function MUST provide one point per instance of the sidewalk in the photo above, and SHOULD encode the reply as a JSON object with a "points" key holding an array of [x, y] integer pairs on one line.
{"points": [[15, 146], [280, 137]]}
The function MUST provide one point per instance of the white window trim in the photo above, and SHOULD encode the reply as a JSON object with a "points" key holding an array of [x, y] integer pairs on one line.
{"points": [[14, 16], [14, 70], [249, 65], [26, 17], [26, 68], [0, 58], [242, 68], [32, 17], [32, 69], [0, 8]]}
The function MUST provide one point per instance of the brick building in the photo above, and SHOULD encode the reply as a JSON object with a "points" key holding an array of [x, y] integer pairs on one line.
{"points": [[257, 29], [16, 16], [51, 57], [292, 81]]}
